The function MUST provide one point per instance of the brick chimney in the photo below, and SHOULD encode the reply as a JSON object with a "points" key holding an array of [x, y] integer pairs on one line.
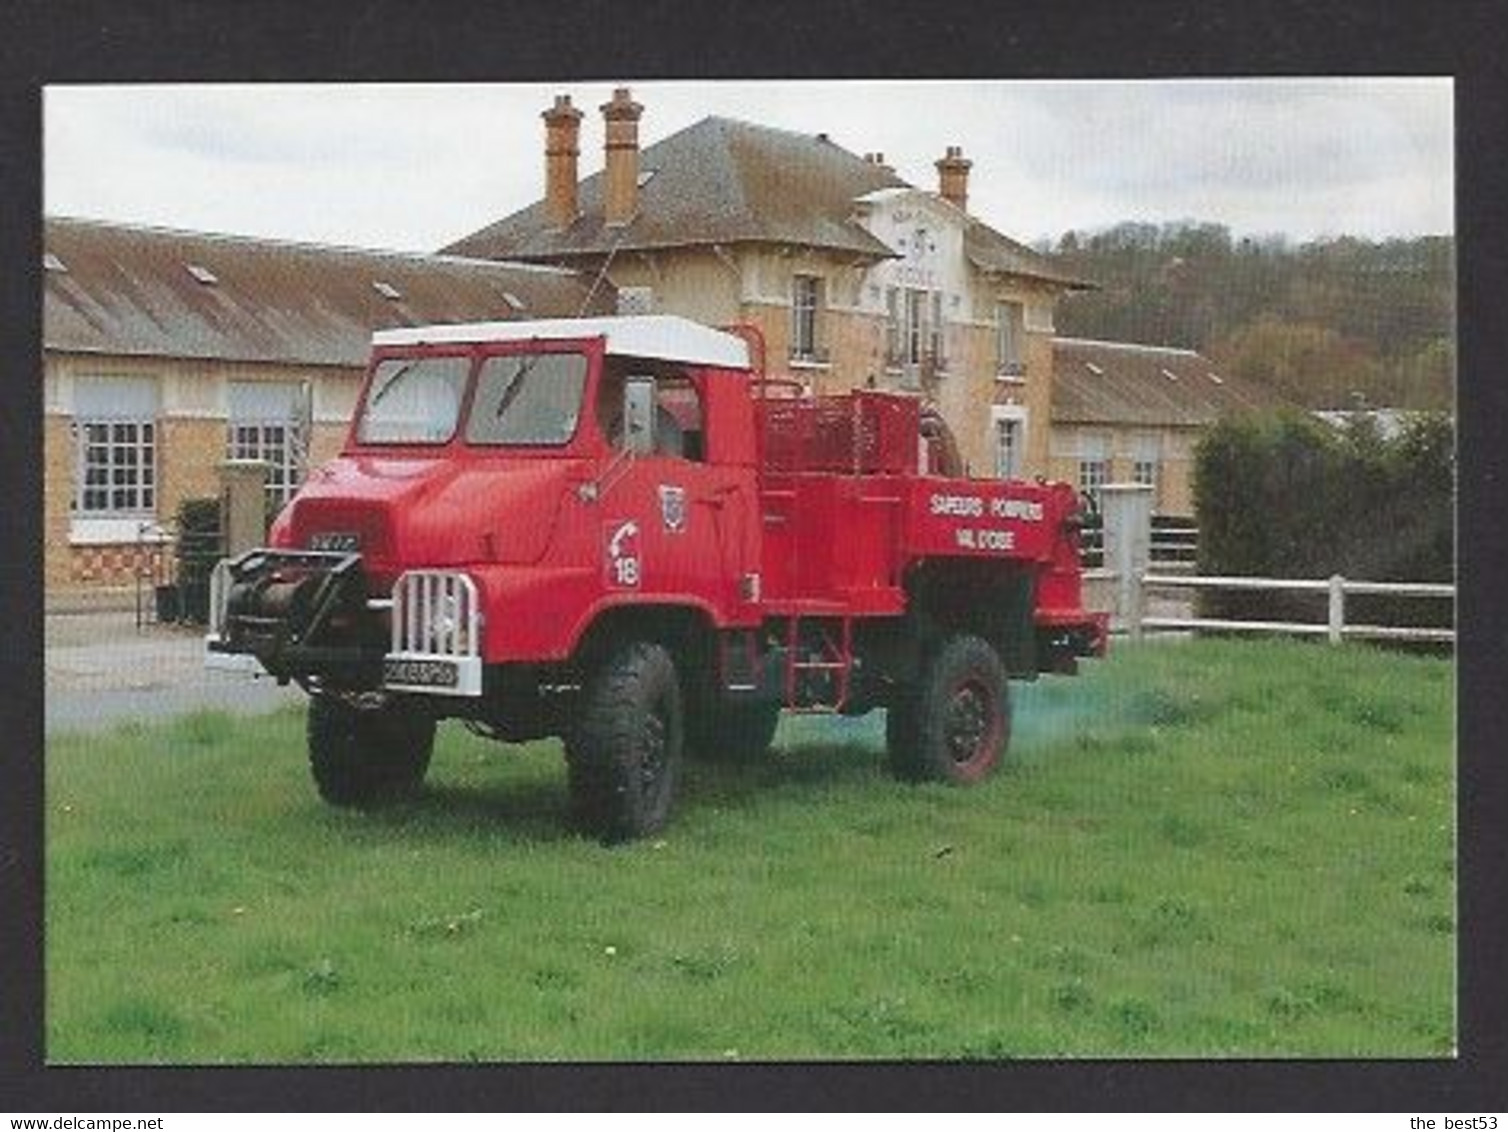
{"points": [[562, 147], [953, 177], [621, 180]]}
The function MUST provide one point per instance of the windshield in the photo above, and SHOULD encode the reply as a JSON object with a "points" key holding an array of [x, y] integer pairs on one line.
{"points": [[520, 399], [413, 401], [527, 399]]}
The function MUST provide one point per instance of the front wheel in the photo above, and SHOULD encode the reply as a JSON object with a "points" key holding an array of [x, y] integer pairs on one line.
{"points": [[364, 756], [623, 756], [955, 724]]}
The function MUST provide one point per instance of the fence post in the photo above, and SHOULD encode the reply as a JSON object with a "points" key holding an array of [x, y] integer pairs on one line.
{"points": [[1127, 511], [243, 505], [1337, 609]]}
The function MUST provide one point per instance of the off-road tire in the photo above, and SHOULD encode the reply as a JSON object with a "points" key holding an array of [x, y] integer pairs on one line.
{"points": [[364, 757], [954, 725], [731, 733], [623, 756]]}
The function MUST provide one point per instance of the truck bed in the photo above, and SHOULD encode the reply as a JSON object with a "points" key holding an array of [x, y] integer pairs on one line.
{"points": [[848, 540]]}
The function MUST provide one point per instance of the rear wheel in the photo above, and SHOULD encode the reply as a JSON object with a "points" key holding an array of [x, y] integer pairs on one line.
{"points": [[366, 756], [955, 724], [623, 756]]}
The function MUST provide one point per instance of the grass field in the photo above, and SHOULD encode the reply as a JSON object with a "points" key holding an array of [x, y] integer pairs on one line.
{"points": [[1205, 849]]}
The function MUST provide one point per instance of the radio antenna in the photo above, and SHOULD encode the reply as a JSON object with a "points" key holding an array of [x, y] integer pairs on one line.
{"points": [[602, 273]]}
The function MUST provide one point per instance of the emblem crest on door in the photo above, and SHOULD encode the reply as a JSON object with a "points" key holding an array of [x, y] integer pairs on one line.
{"points": [[673, 507]]}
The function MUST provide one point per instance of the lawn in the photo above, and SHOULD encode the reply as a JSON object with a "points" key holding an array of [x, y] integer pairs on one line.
{"points": [[1215, 848]]}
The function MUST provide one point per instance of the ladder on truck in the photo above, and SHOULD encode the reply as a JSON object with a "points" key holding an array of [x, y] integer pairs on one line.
{"points": [[813, 645], [819, 652]]}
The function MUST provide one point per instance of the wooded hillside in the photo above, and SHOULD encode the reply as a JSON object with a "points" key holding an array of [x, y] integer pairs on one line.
{"points": [[1334, 323]]}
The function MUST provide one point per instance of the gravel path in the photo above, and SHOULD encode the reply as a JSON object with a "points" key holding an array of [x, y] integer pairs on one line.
{"points": [[102, 670]]}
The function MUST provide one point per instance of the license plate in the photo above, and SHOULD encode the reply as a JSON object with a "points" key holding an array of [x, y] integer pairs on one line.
{"points": [[343, 541], [421, 673]]}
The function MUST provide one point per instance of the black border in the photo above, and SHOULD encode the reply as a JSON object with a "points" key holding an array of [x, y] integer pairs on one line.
{"points": [[448, 41]]}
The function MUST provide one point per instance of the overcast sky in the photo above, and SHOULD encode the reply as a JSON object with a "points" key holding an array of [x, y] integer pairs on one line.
{"points": [[414, 167]]}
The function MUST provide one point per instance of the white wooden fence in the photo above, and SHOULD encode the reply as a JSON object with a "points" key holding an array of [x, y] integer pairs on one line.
{"points": [[1335, 628], [1133, 569]]}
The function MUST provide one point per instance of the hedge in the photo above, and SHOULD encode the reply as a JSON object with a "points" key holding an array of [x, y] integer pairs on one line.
{"points": [[1289, 496], [200, 546]]}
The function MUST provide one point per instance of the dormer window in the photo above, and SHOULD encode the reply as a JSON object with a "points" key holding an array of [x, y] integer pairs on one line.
{"points": [[202, 274]]}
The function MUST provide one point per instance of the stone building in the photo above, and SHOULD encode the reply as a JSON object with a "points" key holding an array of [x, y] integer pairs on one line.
{"points": [[853, 276], [167, 352], [1127, 413]]}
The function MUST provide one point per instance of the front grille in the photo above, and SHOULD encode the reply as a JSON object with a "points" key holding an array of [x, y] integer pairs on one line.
{"points": [[435, 613]]}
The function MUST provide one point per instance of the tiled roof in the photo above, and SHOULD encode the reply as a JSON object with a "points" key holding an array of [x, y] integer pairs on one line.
{"points": [[988, 250], [722, 181], [118, 289], [1124, 383], [719, 181]]}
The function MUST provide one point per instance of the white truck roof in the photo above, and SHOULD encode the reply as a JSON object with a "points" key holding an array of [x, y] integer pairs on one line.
{"points": [[662, 336]]}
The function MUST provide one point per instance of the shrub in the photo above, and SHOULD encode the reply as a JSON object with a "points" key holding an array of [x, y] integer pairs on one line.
{"points": [[200, 545], [1288, 496]]}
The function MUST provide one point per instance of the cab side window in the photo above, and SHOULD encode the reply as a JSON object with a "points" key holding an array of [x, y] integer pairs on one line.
{"points": [[678, 419], [678, 410]]}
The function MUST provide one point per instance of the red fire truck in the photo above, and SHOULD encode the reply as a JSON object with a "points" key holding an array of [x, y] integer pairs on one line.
{"points": [[620, 532]]}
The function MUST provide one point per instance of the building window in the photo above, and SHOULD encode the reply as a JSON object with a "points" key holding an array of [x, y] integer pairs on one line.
{"points": [[1146, 455], [271, 443], [115, 438], [1010, 333], [1092, 476], [1009, 437], [893, 326], [806, 303], [915, 332], [264, 425], [636, 300], [915, 328], [117, 461], [935, 332]]}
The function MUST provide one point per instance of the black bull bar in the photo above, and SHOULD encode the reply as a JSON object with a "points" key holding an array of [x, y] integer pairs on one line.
{"points": [[302, 614]]}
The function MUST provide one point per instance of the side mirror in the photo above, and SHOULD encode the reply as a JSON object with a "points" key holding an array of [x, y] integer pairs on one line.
{"points": [[639, 415]]}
